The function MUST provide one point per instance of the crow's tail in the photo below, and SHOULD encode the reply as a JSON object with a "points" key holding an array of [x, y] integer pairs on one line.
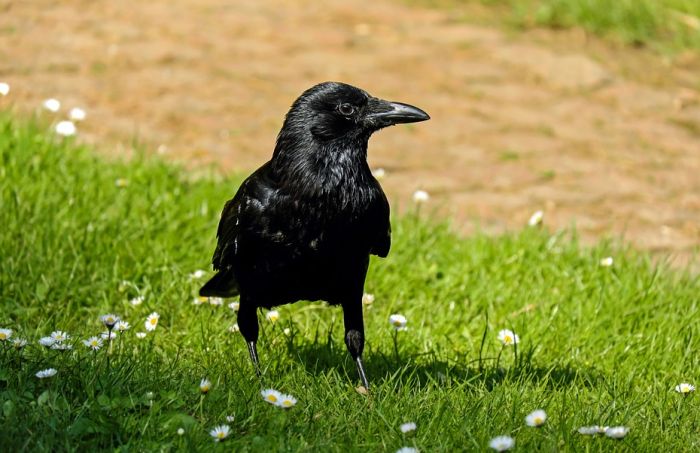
{"points": [[223, 284]]}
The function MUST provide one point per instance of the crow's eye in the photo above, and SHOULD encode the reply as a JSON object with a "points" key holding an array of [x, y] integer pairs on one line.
{"points": [[346, 109]]}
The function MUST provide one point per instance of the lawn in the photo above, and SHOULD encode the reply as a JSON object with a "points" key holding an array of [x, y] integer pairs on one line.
{"points": [[83, 235]]}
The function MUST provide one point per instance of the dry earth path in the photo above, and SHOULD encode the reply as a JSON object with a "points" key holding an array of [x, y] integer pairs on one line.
{"points": [[604, 138]]}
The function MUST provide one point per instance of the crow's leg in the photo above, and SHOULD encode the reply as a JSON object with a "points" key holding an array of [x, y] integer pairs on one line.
{"points": [[248, 323], [355, 336]]}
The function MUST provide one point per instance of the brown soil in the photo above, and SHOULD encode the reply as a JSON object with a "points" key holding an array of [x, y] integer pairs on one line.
{"points": [[601, 137]]}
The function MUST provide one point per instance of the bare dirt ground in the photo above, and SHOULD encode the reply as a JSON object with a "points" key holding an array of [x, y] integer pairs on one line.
{"points": [[601, 137]]}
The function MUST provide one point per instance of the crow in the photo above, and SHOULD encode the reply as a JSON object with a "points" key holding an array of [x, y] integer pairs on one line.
{"points": [[302, 226]]}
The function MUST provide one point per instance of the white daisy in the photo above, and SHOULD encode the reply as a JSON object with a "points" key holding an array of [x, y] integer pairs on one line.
{"points": [[47, 341], [235, 306], [272, 396], [77, 114], [379, 174], [230, 418], [94, 343], [123, 326], [287, 331], [65, 128], [138, 300], [217, 301], [5, 334], [398, 321], [204, 385], [140, 334], [152, 321], [234, 328], [407, 450], [420, 196], [220, 432], [4, 89], [272, 315], [685, 388], [407, 427], [109, 335], [19, 343], [617, 432], [607, 261], [60, 346], [502, 443], [109, 320], [592, 430], [507, 337], [536, 218], [536, 418], [197, 274], [46, 373], [180, 431], [368, 299], [59, 335], [286, 401], [199, 300], [121, 182], [52, 105]]}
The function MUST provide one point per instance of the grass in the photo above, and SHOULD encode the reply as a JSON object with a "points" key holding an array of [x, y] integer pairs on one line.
{"points": [[598, 345], [666, 25]]}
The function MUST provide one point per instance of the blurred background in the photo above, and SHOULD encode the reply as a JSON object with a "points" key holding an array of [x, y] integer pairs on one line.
{"points": [[586, 110]]}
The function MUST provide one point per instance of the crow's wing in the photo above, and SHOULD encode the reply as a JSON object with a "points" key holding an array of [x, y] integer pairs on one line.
{"points": [[380, 216]]}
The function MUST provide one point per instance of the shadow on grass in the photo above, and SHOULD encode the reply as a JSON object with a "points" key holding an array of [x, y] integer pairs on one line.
{"points": [[426, 370]]}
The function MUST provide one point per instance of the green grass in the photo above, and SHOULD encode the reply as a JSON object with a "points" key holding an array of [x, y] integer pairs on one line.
{"points": [[661, 24], [597, 345]]}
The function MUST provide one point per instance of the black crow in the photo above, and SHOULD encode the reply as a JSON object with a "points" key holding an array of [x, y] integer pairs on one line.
{"points": [[303, 225]]}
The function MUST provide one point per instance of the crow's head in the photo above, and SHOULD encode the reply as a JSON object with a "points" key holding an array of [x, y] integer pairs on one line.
{"points": [[333, 111]]}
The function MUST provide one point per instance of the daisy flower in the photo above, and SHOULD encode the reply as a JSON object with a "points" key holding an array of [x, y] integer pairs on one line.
{"points": [[607, 261], [46, 373], [234, 328], [271, 396], [94, 343], [5, 334], [536, 418], [420, 196], [140, 334], [109, 320], [507, 337], [220, 432], [52, 105], [205, 385], [59, 335], [230, 418], [685, 388], [407, 450], [47, 341], [197, 274], [368, 299], [77, 114], [272, 315], [502, 443], [121, 182], [123, 326], [407, 427], [536, 218], [379, 174], [65, 128], [19, 343], [617, 432], [286, 401], [199, 300], [138, 300], [60, 346], [287, 331], [109, 335], [152, 321], [4, 89], [398, 321], [234, 306], [592, 430], [180, 431], [216, 301]]}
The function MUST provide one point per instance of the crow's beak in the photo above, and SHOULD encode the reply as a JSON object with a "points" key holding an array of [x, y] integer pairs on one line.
{"points": [[384, 113]]}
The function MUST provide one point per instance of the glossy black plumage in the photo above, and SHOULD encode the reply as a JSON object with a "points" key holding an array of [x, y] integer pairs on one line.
{"points": [[303, 225]]}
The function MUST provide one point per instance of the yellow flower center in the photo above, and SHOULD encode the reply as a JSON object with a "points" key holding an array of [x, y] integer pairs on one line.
{"points": [[507, 339], [220, 435], [272, 398], [286, 403], [153, 321], [3, 336], [538, 420]]}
